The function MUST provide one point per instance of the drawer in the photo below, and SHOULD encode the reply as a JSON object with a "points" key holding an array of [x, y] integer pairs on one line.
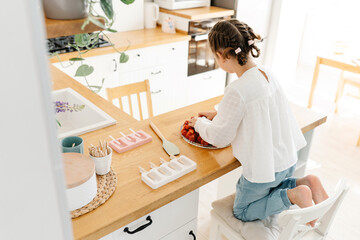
{"points": [[160, 222], [186, 232]]}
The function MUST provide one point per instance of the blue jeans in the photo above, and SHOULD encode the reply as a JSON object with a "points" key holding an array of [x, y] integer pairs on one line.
{"points": [[255, 201]]}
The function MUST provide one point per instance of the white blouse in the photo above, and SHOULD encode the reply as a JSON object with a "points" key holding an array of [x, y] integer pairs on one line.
{"points": [[255, 117]]}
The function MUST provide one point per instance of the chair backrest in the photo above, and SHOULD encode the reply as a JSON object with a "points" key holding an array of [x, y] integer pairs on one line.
{"points": [[128, 90], [293, 221]]}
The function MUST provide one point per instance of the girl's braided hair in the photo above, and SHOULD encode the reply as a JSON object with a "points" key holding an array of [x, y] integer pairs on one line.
{"points": [[228, 35]]}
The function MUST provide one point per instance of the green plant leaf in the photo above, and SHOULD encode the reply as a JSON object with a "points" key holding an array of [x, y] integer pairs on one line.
{"points": [[84, 70], [57, 121], [86, 22], [127, 2], [76, 59], [124, 58], [111, 30], [96, 22], [82, 40], [106, 6]]}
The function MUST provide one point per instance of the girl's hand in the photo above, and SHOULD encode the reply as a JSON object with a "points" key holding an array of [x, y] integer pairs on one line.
{"points": [[192, 121], [209, 115]]}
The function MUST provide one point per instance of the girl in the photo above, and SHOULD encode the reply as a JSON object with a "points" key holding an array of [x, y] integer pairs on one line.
{"points": [[255, 117]]}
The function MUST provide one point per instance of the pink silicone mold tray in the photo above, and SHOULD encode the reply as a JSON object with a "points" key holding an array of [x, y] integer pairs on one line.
{"points": [[130, 141]]}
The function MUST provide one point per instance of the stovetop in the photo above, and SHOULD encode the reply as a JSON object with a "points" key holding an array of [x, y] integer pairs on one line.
{"points": [[61, 44]]}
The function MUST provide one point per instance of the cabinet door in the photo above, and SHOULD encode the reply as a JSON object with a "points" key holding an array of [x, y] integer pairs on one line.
{"points": [[105, 67], [186, 232], [161, 96], [164, 220], [205, 85]]}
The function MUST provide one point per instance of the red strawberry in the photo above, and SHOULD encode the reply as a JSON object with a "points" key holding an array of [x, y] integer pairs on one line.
{"points": [[188, 134], [186, 122], [199, 139], [192, 130], [192, 138], [183, 132], [187, 127]]}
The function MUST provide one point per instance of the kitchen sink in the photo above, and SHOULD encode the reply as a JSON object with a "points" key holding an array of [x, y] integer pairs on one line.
{"points": [[88, 119]]}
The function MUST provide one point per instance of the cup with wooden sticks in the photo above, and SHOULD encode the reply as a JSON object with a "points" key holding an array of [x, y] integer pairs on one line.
{"points": [[101, 155]]}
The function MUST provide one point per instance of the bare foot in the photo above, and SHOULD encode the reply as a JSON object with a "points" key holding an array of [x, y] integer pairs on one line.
{"points": [[313, 182], [301, 196]]}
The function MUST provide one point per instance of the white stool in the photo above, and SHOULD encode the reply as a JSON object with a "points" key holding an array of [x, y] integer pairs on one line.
{"points": [[290, 224]]}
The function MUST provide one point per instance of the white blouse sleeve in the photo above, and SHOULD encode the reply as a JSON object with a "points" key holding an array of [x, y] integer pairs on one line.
{"points": [[221, 131]]}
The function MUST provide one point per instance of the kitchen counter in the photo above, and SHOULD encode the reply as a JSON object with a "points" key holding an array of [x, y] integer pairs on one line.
{"points": [[132, 198], [200, 13], [138, 39]]}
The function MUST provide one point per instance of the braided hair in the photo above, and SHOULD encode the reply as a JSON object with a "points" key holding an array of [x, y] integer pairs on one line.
{"points": [[228, 35]]}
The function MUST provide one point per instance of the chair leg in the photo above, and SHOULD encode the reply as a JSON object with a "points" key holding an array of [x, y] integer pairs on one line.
{"points": [[339, 91], [215, 233]]}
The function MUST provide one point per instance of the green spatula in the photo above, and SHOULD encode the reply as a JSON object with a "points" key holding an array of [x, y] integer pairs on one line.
{"points": [[169, 147]]}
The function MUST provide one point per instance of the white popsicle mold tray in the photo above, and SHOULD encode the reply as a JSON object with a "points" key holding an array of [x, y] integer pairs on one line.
{"points": [[167, 171]]}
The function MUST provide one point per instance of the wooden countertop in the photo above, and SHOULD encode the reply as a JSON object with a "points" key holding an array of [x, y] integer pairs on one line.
{"points": [[138, 39], [59, 28], [200, 13], [133, 198]]}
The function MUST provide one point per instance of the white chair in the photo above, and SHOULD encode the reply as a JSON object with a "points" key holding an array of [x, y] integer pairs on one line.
{"points": [[290, 224]]}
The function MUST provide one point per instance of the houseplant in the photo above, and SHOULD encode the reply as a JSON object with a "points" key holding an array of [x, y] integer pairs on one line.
{"points": [[100, 13]]}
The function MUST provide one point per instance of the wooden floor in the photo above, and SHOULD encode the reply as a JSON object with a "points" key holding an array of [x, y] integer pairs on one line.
{"points": [[333, 155]]}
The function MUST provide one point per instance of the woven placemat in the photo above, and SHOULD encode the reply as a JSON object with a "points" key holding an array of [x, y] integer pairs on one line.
{"points": [[105, 188]]}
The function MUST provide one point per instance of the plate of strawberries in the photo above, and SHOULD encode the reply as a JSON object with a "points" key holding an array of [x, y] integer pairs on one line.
{"points": [[191, 136]]}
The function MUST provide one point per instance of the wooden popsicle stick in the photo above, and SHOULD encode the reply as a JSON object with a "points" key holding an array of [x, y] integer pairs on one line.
{"points": [[115, 140], [136, 134]]}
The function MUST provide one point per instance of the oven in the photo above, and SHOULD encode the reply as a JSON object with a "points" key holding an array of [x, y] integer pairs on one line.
{"points": [[200, 57]]}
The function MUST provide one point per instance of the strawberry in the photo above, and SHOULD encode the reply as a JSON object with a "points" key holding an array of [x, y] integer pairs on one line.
{"points": [[192, 138], [199, 139], [186, 122], [188, 134], [183, 132], [187, 127], [192, 130]]}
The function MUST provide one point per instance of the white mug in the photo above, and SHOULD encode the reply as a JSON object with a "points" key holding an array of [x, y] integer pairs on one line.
{"points": [[151, 14]]}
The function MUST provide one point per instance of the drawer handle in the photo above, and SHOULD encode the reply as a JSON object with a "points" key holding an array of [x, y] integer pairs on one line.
{"points": [[155, 73], [148, 218], [155, 92], [115, 68], [192, 234]]}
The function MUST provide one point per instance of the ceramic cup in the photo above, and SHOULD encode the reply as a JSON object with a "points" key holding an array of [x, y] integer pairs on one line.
{"points": [[68, 142], [102, 164]]}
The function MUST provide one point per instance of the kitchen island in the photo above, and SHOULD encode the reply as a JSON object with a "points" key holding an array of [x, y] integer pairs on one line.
{"points": [[132, 198]]}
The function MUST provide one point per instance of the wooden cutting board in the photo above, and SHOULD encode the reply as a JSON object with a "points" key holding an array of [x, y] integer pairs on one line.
{"points": [[78, 169]]}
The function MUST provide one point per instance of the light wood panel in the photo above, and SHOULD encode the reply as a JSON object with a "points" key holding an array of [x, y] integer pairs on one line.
{"points": [[137, 39], [59, 28], [133, 198], [200, 13]]}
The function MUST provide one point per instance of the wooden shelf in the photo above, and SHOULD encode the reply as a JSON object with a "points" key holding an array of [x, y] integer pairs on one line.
{"points": [[59, 28], [200, 13]]}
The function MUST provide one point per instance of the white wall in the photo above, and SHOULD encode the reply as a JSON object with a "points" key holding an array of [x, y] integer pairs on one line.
{"points": [[286, 31], [32, 197]]}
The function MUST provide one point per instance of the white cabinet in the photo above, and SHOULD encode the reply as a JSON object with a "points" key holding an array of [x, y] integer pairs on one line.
{"points": [[186, 232], [206, 85], [105, 67], [165, 66], [162, 222]]}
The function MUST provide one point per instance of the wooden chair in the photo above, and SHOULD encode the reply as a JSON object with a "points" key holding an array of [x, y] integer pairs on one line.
{"points": [[351, 80], [128, 90], [290, 225]]}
